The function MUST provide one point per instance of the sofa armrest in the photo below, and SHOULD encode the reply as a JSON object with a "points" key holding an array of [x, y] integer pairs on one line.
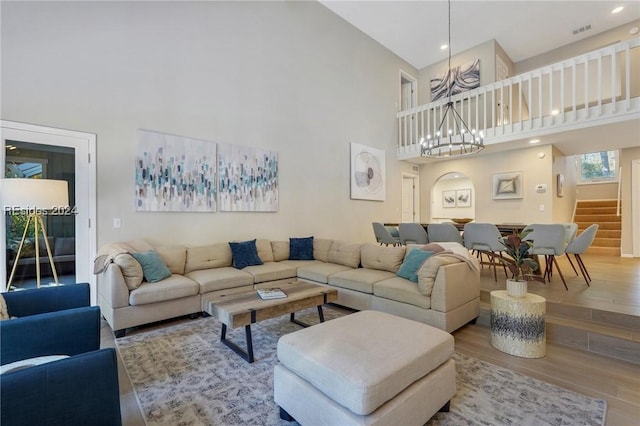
{"points": [[68, 332], [112, 287], [47, 299], [454, 285], [79, 390]]}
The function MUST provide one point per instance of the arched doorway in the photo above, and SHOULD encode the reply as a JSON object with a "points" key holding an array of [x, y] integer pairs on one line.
{"points": [[452, 196]]}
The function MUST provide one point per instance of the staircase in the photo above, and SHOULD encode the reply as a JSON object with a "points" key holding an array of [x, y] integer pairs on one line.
{"points": [[602, 212]]}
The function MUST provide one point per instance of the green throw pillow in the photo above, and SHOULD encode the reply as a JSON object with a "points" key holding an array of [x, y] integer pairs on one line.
{"points": [[412, 262], [153, 267]]}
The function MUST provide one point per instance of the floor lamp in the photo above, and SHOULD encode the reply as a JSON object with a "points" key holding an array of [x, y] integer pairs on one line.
{"points": [[35, 198]]}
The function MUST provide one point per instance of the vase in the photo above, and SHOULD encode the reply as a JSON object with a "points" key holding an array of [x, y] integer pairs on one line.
{"points": [[516, 288]]}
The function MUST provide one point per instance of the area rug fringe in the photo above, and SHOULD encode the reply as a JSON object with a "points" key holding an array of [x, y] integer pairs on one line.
{"points": [[183, 375]]}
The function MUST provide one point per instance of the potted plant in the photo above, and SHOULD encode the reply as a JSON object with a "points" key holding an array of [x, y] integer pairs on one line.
{"points": [[521, 265]]}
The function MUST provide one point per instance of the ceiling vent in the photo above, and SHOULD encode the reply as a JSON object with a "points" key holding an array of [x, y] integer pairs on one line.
{"points": [[581, 29]]}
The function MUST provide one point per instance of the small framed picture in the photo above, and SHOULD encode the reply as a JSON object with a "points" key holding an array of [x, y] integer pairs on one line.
{"points": [[448, 199], [507, 185], [560, 185], [463, 198]]}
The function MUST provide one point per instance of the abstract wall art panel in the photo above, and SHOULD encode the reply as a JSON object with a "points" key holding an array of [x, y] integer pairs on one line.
{"points": [[367, 173], [457, 80], [507, 185], [174, 173], [247, 179]]}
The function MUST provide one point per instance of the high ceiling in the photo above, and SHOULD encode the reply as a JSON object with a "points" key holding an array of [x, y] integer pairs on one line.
{"points": [[415, 30]]}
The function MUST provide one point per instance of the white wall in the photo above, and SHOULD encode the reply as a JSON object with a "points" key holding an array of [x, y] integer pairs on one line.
{"points": [[563, 206], [291, 77], [480, 170]]}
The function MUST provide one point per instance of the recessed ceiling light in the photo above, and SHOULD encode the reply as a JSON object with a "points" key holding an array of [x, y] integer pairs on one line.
{"points": [[534, 141], [617, 9], [444, 46], [555, 112]]}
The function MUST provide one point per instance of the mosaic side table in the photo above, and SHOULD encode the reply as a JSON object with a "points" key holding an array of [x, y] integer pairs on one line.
{"points": [[517, 324]]}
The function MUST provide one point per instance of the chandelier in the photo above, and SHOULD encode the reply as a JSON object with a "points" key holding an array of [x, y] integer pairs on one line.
{"points": [[456, 139]]}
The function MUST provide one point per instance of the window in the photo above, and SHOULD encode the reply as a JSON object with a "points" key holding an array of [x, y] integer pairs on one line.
{"points": [[598, 167]]}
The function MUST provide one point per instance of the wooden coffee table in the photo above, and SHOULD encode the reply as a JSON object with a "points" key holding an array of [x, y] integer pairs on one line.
{"points": [[246, 308]]}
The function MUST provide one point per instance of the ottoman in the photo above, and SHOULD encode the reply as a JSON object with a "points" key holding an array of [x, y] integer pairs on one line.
{"points": [[367, 368]]}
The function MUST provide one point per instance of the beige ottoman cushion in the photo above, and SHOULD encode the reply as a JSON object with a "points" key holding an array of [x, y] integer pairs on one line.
{"points": [[364, 359]]}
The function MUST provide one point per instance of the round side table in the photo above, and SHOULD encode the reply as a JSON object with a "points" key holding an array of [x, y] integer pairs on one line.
{"points": [[517, 324]]}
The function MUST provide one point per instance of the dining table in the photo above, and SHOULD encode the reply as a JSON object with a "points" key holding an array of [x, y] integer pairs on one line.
{"points": [[504, 228]]}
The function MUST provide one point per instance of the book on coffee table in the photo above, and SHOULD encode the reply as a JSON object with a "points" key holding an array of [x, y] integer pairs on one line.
{"points": [[271, 293]]}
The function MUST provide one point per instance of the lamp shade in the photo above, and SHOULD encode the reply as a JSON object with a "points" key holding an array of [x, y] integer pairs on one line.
{"points": [[41, 194]]}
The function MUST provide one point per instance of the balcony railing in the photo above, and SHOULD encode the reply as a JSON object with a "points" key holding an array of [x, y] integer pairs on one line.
{"points": [[596, 88]]}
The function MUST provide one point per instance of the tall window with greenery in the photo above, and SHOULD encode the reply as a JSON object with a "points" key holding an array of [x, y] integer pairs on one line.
{"points": [[598, 166]]}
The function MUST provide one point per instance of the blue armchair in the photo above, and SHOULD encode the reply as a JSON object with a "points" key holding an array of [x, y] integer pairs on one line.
{"points": [[78, 390]]}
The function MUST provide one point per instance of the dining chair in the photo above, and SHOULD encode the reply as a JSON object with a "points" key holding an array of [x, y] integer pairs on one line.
{"points": [[393, 230], [443, 232], [484, 238], [579, 245], [383, 236], [571, 229], [549, 241], [412, 233]]}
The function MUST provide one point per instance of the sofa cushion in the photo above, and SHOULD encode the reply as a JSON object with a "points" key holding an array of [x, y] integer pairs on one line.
{"points": [[265, 252], [412, 263], [245, 253], [427, 274], [270, 271], [280, 250], [401, 290], [153, 267], [321, 247], [375, 256], [206, 257], [344, 253], [174, 257], [220, 278], [174, 287], [361, 279], [301, 248], [131, 270], [319, 272]]}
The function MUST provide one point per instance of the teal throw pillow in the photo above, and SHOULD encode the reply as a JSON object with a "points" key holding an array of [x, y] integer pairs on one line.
{"points": [[245, 254], [301, 248], [412, 262], [153, 267]]}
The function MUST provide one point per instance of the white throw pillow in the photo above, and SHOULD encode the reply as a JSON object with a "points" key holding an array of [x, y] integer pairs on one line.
{"points": [[31, 362]]}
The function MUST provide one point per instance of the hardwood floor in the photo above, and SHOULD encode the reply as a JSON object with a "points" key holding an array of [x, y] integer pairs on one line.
{"points": [[615, 288]]}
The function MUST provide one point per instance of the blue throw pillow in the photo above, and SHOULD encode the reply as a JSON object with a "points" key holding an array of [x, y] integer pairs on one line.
{"points": [[301, 248], [412, 262], [245, 254], [153, 267]]}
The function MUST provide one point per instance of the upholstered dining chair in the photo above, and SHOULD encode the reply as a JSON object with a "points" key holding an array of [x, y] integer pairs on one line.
{"points": [[579, 245], [443, 232], [484, 238], [383, 236], [412, 233], [571, 229], [549, 241]]}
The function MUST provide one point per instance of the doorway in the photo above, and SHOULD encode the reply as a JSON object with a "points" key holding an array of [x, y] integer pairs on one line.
{"points": [[38, 152], [410, 198]]}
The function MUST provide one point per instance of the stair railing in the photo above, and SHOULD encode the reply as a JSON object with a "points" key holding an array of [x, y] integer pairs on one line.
{"points": [[619, 191]]}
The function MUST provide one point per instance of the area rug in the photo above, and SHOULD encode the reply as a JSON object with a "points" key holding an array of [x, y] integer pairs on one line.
{"points": [[183, 375]]}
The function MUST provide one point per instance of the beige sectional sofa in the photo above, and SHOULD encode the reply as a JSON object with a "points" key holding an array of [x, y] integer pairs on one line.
{"points": [[447, 294]]}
